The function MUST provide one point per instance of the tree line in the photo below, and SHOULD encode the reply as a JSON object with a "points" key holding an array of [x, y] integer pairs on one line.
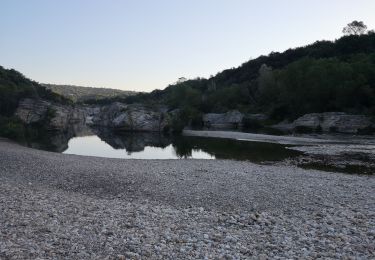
{"points": [[321, 77]]}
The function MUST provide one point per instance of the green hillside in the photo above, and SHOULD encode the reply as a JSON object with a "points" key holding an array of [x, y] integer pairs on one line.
{"points": [[82, 94], [13, 87], [321, 77]]}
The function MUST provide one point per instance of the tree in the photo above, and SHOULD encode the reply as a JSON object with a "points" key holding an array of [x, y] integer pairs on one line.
{"points": [[266, 84], [181, 80], [355, 28]]}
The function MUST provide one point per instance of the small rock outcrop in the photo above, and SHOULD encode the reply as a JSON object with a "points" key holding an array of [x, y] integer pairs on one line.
{"points": [[330, 122], [134, 117], [229, 120]]}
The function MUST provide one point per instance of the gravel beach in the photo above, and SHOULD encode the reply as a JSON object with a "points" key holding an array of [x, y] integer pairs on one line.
{"points": [[58, 206]]}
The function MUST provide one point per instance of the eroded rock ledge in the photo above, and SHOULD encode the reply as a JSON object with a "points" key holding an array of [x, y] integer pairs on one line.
{"points": [[337, 122], [330, 122], [134, 117], [54, 116]]}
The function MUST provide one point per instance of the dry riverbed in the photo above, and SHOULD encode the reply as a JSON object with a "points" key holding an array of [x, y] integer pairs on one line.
{"points": [[76, 207]]}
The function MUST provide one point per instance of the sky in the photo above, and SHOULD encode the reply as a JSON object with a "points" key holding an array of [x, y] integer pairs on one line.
{"points": [[143, 45]]}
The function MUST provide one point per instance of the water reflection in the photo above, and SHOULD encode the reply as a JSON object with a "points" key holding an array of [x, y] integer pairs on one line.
{"points": [[82, 140], [354, 157], [132, 142], [55, 141], [132, 149], [234, 149]]}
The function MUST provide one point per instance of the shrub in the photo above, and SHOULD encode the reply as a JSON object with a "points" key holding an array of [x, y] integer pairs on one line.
{"points": [[12, 128]]}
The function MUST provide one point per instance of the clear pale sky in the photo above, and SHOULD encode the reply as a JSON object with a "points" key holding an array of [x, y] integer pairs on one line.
{"points": [[147, 44]]}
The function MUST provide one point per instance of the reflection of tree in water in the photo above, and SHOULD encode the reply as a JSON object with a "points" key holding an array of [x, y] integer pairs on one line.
{"points": [[54, 141], [183, 146], [233, 149], [132, 142]]}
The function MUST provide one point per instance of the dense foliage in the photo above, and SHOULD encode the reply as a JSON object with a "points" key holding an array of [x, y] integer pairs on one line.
{"points": [[13, 87], [324, 76], [87, 94], [319, 85]]}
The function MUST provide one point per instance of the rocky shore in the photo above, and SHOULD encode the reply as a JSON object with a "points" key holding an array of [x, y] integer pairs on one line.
{"points": [[55, 206], [332, 152]]}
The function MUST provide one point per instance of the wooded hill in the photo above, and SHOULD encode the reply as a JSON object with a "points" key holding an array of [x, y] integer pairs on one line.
{"points": [[82, 94], [13, 87], [324, 76]]}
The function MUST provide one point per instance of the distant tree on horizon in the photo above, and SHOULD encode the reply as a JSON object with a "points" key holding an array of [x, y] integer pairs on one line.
{"points": [[355, 28], [181, 80]]}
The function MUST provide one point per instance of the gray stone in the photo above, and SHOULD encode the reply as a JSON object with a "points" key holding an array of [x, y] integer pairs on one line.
{"points": [[329, 122], [67, 207], [56, 116], [229, 120], [117, 115], [31, 110], [132, 117]]}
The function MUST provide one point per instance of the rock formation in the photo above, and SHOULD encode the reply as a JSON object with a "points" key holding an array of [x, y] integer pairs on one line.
{"points": [[143, 118], [119, 116], [53, 116], [132, 117], [330, 122], [229, 120]]}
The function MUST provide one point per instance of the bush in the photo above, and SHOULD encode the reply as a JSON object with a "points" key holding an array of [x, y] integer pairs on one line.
{"points": [[12, 128], [251, 124]]}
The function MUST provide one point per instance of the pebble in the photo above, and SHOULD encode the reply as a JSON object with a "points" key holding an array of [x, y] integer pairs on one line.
{"points": [[244, 211]]}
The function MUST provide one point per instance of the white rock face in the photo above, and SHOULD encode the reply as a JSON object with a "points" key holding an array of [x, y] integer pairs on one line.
{"points": [[56, 116], [31, 110], [132, 117]]}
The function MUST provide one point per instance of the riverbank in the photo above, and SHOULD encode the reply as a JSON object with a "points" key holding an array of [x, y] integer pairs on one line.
{"points": [[277, 139], [353, 154], [66, 206]]}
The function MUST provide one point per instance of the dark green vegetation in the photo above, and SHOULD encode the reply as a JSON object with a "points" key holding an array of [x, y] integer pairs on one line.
{"points": [[321, 77], [13, 87], [256, 152], [319, 85], [87, 94]]}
